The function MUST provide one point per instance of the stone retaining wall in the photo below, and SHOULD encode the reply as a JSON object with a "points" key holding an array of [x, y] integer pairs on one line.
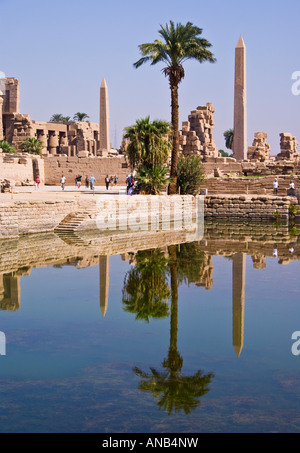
{"points": [[17, 218], [249, 207]]}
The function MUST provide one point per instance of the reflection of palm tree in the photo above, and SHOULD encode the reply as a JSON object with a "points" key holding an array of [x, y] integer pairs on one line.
{"points": [[146, 289], [174, 390]]}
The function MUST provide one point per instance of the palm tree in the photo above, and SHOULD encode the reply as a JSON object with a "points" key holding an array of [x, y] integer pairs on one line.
{"points": [[228, 135], [32, 145], [173, 390], [178, 44], [148, 142], [56, 118], [79, 116], [146, 290]]}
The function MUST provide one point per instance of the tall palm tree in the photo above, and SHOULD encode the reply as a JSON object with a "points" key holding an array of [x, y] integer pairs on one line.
{"points": [[80, 116], [178, 43], [174, 390]]}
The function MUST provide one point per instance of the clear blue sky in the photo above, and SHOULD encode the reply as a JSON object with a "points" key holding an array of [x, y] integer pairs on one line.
{"points": [[61, 50]]}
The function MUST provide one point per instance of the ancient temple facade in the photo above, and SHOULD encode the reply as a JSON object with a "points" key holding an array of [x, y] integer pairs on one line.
{"points": [[69, 138]]}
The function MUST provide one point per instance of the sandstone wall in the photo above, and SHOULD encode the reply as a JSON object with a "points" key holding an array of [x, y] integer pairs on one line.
{"points": [[247, 207], [255, 186], [19, 168], [131, 213], [22, 217], [71, 166]]}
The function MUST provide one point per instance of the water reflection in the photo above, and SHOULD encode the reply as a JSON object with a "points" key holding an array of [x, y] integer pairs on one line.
{"points": [[173, 390], [146, 286]]}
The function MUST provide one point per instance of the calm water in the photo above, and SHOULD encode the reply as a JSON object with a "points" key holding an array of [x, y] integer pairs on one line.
{"points": [[188, 338]]}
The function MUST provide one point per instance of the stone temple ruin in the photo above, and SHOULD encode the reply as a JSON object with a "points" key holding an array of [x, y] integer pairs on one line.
{"points": [[260, 149], [196, 136], [70, 138]]}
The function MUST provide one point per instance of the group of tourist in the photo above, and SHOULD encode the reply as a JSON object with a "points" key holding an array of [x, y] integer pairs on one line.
{"points": [[292, 188], [110, 181], [89, 182], [132, 185]]}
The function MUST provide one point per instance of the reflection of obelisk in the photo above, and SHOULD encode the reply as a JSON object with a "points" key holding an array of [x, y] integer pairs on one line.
{"points": [[104, 282], [104, 119], [238, 301], [10, 292], [240, 103]]}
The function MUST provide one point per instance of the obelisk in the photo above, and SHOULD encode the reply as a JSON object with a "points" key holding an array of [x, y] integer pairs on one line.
{"points": [[104, 119], [240, 103], [238, 301], [1, 116]]}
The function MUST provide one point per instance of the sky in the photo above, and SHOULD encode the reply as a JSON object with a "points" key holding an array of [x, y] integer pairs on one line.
{"points": [[61, 49]]}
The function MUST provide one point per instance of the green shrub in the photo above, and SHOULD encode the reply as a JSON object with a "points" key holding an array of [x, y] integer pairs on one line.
{"points": [[7, 147], [190, 174], [293, 210], [152, 180]]}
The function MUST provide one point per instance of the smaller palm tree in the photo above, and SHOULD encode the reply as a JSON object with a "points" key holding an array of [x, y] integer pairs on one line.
{"points": [[7, 147], [32, 145], [80, 116], [56, 118], [229, 135]]}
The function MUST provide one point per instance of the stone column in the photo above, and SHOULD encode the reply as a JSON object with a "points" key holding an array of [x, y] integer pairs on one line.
{"points": [[41, 135], [53, 142], [238, 301], [104, 282], [240, 103], [104, 119]]}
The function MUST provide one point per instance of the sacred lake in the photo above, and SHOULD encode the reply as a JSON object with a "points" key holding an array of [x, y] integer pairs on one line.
{"points": [[151, 332]]}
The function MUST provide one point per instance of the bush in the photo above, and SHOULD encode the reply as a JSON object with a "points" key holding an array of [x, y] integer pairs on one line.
{"points": [[190, 174], [293, 210], [7, 147]]}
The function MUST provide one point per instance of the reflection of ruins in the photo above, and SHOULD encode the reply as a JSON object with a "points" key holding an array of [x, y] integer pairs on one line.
{"points": [[194, 257]]}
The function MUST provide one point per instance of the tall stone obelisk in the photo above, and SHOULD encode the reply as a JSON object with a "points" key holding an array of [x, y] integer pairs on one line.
{"points": [[104, 119], [1, 116], [240, 103]]}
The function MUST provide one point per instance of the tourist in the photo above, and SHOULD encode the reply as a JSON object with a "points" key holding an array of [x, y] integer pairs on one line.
{"points": [[92, 182], [63, 182], [129, 181], [116, 180], [111, 181], [78, 180], [276, 186], [292, 192], [37, 183], [87, 182], [107, 180]]}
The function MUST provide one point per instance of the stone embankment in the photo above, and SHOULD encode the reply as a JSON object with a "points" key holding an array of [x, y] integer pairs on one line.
{"points": [[252, 207], [105, 212]]}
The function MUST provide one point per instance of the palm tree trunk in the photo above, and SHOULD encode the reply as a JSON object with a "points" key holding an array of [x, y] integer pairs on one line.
{"points": [[175, 127]]}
